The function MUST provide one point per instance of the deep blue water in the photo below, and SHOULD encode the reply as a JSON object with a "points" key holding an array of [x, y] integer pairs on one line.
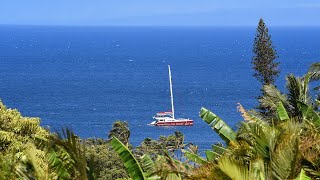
{"points": [[88, 77]]}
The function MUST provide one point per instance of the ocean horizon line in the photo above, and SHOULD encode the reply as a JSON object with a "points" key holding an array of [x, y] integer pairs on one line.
{"points": [[156, 26]]}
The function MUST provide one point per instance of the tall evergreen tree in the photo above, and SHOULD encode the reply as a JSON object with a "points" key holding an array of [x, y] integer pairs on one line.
{"points": [[266, 69]]}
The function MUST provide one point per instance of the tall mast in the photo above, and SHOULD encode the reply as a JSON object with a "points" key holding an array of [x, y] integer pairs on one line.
{"points": [[172, 107]]}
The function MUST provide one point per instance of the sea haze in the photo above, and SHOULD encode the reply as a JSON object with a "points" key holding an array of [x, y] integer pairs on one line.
{"points": [[85, 78]]}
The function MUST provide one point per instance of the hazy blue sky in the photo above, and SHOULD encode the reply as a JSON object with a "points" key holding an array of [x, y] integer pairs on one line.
{"points": [[161, 12]]}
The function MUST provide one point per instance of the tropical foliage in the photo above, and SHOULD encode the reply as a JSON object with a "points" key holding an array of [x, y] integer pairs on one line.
{"points": [[28, 151], [105, 160], [283, 145]]}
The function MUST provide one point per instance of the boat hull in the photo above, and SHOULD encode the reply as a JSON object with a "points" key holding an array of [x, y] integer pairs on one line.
{"points": [[178, 123]]}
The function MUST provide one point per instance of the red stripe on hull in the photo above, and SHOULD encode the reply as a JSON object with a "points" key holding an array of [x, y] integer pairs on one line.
{"points": [[187, 123]]}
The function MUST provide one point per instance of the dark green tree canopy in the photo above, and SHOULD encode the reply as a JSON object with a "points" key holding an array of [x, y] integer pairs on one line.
{"points": [[266, 69], [120, 130]]}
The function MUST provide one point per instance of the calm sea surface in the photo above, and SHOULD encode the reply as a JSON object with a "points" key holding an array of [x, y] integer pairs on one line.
{"points": [[85, 78]]}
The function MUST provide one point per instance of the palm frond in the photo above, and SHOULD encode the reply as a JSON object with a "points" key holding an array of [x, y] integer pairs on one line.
{"points": [[168, 168], [302, 176], [298, 91], [233, 169], [285, 155], [260, 135], [72, 145], [257, 169], [314, 71], [271, 98]]}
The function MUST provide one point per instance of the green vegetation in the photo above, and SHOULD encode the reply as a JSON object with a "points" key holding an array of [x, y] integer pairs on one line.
{"points": [[105, 160], [284, 145], [121, 131], [28, 151]]}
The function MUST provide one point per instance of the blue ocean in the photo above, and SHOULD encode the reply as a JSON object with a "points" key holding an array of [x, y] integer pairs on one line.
{"points": [[85, 78]]}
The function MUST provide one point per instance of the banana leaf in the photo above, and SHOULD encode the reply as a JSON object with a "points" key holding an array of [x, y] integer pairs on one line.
{"points": [[131, 164], [147, 163], [194, 157], [217, 124], [210, 155], [309, 113], [217, 152], [282, 112], [218, 149]]}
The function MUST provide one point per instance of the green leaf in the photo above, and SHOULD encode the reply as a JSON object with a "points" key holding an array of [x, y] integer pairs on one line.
{"points": [[282, 112], [194, 157], [272, 96], [257, 169], [284, 157], [147, 163], [131, 164], [302, 176], [59, 162], [218, 149], [73, 146], [217, 152], [309, 113], [217, 124], [210, 155], [233, 169], [260, 135], [314, 71]]}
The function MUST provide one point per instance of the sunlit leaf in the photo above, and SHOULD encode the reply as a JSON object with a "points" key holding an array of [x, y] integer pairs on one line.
{"points": [[217, 124], [131, 164]]}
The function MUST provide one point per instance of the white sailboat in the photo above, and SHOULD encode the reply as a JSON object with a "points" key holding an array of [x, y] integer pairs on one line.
{"points": [[168, 118]]}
